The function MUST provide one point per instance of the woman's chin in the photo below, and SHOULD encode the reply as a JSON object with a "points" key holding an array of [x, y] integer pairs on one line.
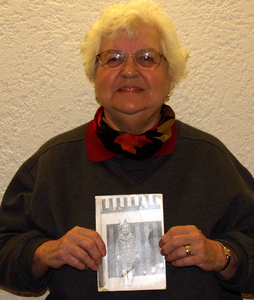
{"points": [[130, 107]]}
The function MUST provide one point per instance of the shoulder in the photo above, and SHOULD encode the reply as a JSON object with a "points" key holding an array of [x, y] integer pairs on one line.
{"points": [[205, 147], [61, 143], [74, 135], [193, 134]]}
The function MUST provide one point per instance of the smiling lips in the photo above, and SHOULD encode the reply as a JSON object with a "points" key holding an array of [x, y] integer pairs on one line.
{"points": [[130, 89]]}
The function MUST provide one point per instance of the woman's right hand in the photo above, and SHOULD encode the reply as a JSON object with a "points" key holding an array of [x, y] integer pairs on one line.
{"points": [[80, 248]]}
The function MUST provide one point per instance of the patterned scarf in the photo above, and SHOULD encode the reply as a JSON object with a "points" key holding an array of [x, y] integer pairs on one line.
{"points": [[134, 146]]}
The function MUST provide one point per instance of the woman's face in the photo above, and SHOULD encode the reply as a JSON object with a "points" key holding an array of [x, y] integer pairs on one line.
{"points": [[129, 91]]}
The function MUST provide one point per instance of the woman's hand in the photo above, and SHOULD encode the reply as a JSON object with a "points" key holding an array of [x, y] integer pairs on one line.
{"points": [[79, 248], [204, 253]]}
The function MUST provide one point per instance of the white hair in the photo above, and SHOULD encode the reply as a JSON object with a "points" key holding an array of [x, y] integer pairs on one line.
{"points": [[129, 17]]}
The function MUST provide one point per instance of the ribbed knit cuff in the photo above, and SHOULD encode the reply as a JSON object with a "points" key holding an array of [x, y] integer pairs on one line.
{"points": [[242, 270], [25, 265]]}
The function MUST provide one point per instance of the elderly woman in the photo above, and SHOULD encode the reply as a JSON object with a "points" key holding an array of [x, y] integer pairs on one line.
{"points": [[134, 145]]}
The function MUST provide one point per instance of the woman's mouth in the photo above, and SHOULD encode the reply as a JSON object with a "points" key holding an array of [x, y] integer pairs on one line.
{"points": [[130, 89]]}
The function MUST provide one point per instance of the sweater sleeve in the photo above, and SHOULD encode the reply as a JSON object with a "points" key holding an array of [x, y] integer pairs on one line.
{"points": [[238, 233], [19, 236]]}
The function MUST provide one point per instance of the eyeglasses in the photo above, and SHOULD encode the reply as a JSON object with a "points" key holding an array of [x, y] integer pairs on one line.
{"points": [[144, 59]]}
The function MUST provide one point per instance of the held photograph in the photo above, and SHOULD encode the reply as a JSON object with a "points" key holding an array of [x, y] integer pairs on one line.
{"points": [[131, 226]]}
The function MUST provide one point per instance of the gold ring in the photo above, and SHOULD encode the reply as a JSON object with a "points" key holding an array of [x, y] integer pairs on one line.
{"points": [[187, 250]]}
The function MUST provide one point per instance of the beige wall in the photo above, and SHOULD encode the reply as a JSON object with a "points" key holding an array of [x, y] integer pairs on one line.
{"points": [[44, 90]]}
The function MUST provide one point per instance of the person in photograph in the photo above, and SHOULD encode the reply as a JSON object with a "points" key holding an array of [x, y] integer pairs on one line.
{"points": [[126, 253], [134, 145]]}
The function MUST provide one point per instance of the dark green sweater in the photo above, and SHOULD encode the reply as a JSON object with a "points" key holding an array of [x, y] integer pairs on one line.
{"points": [[202, 184]]}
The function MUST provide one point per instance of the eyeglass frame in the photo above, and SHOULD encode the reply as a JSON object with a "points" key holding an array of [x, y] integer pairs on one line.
{"points": [[126, 56]]}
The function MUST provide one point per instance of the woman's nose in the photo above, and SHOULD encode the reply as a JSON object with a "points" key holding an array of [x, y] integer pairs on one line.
{"points": [[129, 68]]}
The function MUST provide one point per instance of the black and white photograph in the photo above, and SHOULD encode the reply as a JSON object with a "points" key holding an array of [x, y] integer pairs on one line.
{"points": [[131, 226]]}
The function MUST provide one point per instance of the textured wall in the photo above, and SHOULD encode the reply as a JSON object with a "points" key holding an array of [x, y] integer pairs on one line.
{"points": [[44, 90]]}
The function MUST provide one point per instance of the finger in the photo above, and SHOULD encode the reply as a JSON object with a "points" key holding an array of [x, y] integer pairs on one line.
{"points": [[179, 258], [180, 253], [76, 263], [77, 243], [185, 262], [177, 230], [91, 249], [80, 259], [176, 242], [199, 257], [86, 261], [192, 236], [95, 237]]}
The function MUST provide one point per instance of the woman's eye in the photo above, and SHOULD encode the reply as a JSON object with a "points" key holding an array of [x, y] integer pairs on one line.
{"points": [[147, 58], [114, 59]]}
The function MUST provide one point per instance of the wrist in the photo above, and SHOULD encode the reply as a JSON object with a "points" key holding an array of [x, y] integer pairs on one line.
{"points": [[39, 267], [227, 254]]}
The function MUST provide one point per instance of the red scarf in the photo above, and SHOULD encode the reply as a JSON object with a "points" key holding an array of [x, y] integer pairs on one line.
{"points": [[139, 146]]}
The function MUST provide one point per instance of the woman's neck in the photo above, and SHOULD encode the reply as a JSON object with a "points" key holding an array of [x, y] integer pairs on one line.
{"points": [[136, 123]]}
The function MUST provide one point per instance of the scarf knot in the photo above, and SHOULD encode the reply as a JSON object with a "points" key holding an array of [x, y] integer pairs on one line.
{"points": [[140, 146]]}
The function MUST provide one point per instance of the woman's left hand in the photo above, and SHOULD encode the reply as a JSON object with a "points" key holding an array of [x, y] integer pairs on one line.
{"points": [[187, 246]]}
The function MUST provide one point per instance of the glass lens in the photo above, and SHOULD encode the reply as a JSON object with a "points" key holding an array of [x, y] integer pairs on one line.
{"points": [[147, 59], [111, 59]]}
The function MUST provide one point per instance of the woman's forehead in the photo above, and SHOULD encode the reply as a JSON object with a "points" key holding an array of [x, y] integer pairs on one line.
{"points": [[144, 38]]}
